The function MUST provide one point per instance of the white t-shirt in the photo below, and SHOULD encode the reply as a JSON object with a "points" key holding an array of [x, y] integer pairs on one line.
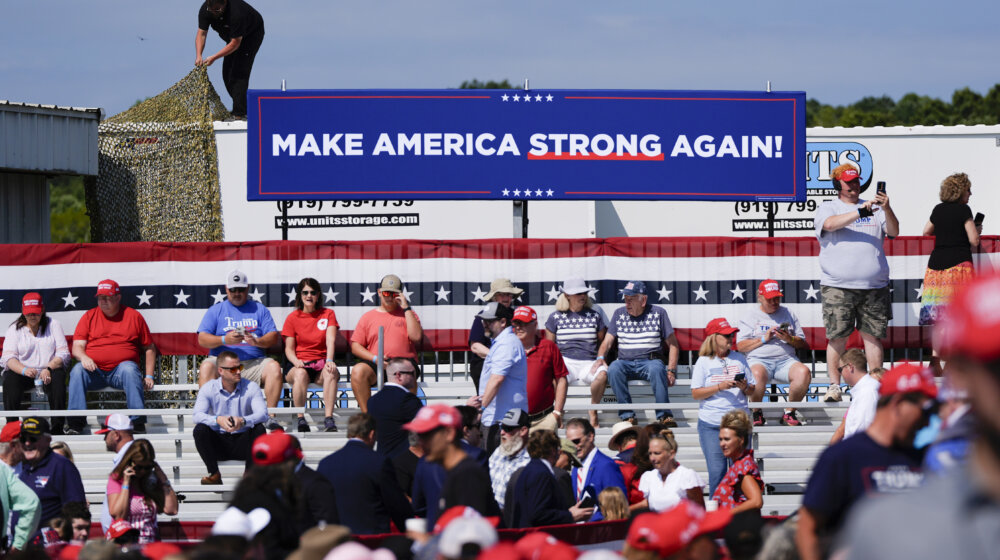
{"points": [[756, 323], [864, 401], [665, 494], [710, 371], [852, 257]]}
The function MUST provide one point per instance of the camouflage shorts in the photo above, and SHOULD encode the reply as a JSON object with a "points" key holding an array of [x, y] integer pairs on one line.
{"points": [[845, 309]]}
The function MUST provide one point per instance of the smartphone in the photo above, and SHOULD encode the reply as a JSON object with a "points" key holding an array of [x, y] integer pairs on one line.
{"points": [[242, 331], [588, 500], [880, 187], [784, 327], [740, 377], [979, 218]]}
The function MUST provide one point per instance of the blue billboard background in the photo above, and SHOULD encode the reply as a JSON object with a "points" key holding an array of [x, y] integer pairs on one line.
{"points": [[712, 145]]}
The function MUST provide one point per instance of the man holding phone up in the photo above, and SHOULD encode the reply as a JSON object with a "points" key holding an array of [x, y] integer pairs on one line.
{"points": [[229, 413], [854, 282], [402, 332]]}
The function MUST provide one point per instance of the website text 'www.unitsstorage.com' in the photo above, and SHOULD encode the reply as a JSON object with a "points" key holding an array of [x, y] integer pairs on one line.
{"points": [[349, 220]]}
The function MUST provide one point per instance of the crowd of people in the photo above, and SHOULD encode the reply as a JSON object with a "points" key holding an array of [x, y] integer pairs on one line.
{"points": [[447, 477]]}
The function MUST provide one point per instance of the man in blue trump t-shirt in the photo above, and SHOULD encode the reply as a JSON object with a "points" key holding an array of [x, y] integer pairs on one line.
{"points": [[247, 329]]}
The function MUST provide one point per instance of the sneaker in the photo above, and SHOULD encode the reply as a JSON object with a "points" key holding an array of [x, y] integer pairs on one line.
{"points": [[832, 394], [668, 422], [329, 424], [792, 419], [303, 426], [272, 425], [758, 418]]}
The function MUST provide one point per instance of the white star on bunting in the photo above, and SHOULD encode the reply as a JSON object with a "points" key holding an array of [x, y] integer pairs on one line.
{"points": [[69, 300], [144, 298], [218, 296], [182, 297], [553, 293], [442, 294], [256, 295], [407, 294], [367, 295], [811, 292], [664, 293], [478, 295], [700, 293], [920, 291], [737, 293], [291, 295], [592, 291], [331, 295]]}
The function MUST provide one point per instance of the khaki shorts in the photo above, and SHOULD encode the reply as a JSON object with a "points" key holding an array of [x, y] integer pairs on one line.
{"points": [[845, 309], [253, 370]]}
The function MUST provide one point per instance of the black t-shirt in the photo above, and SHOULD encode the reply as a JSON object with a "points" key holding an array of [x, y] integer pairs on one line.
{"points": [[853, 468], [239, 19], [951, 242], [467, 484], [478, 334]]}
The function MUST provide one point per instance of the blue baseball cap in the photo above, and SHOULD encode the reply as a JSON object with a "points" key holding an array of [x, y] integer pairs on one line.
{"points": [[634, 288]]}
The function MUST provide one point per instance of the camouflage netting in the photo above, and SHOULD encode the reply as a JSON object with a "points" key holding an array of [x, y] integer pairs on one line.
{"points": [[159, 176]]}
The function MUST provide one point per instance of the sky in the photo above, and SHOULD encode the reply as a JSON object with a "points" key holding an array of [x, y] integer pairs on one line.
{"points": [[110, 53]]}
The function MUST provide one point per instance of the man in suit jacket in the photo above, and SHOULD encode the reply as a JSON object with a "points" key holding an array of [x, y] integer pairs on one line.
{"points": [[534, 499], [598, 471], [368, 496], [394, 406]]}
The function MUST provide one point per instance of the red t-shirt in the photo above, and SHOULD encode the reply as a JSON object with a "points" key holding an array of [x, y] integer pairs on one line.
{"points": [[309, 330], [545, 365], [113, 340], [397, 343]]}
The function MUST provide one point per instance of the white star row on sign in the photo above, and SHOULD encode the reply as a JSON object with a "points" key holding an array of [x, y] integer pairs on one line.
{"points": [[528, 193], [526, 97]]}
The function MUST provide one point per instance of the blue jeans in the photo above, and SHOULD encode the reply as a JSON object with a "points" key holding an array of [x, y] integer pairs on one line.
{"points": [[708, 437], [126, 376], [620, 372]]}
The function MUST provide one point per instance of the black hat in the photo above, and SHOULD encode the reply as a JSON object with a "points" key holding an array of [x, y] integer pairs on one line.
{"points": [[35, 426]]}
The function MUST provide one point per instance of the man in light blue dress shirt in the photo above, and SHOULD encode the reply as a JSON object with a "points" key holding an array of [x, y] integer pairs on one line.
{"points": [[503, 384], [229, 415]]}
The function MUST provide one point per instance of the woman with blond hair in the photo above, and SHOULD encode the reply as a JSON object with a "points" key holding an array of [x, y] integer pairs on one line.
{"points": [[668, 482], [741, 489], [721, 380], [578, 328], [138, 490]]}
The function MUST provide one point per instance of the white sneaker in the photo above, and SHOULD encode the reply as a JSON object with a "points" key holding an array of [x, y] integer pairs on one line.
{"points": [[832, 394]]}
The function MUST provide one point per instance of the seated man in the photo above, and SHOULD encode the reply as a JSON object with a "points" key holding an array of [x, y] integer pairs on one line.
{"points": [[394, 406], [247, 329], [769, 336], [229, 414], [107, 342], [643, 329], [54, 478], [402, 332]]}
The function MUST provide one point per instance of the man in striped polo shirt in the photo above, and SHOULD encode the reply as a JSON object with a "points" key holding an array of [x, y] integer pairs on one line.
{"points": [[642, 330]]}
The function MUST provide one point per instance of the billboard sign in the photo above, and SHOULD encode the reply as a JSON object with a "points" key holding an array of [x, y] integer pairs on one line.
{"points": [[526, 145]]}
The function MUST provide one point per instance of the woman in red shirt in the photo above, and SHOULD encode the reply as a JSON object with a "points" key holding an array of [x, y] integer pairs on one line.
{"points": [[309, 333], [741, 488]]}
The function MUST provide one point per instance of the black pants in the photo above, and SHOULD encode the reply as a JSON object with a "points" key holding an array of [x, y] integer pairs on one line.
{"points": [[15, 385], [214, 446], [236, 71]]}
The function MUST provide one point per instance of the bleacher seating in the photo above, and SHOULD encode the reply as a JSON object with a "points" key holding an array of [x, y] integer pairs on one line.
{"points": [[786, 454]]}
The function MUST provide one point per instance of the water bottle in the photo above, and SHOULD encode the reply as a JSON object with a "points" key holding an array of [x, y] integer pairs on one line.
{"points": [[39, 390]]}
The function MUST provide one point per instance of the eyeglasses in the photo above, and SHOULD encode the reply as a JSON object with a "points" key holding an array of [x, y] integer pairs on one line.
{"points": [[308, 292], [841, 368], [388, 294], [235, 369], [236, 290]]}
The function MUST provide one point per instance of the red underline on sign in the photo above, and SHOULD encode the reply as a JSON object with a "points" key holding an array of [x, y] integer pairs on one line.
{"points": [[369, 191], [594, 157], [676, 98]]}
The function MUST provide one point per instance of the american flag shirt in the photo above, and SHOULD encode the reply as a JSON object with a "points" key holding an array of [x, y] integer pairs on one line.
{"points": [[576, 333], [638, 336]]}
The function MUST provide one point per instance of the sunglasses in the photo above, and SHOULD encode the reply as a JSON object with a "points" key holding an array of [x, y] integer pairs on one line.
{"points": [[237, 290], [28, 439], [235, 369], [576, 441], [510, 429], [308, 292], [388, 294]]}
